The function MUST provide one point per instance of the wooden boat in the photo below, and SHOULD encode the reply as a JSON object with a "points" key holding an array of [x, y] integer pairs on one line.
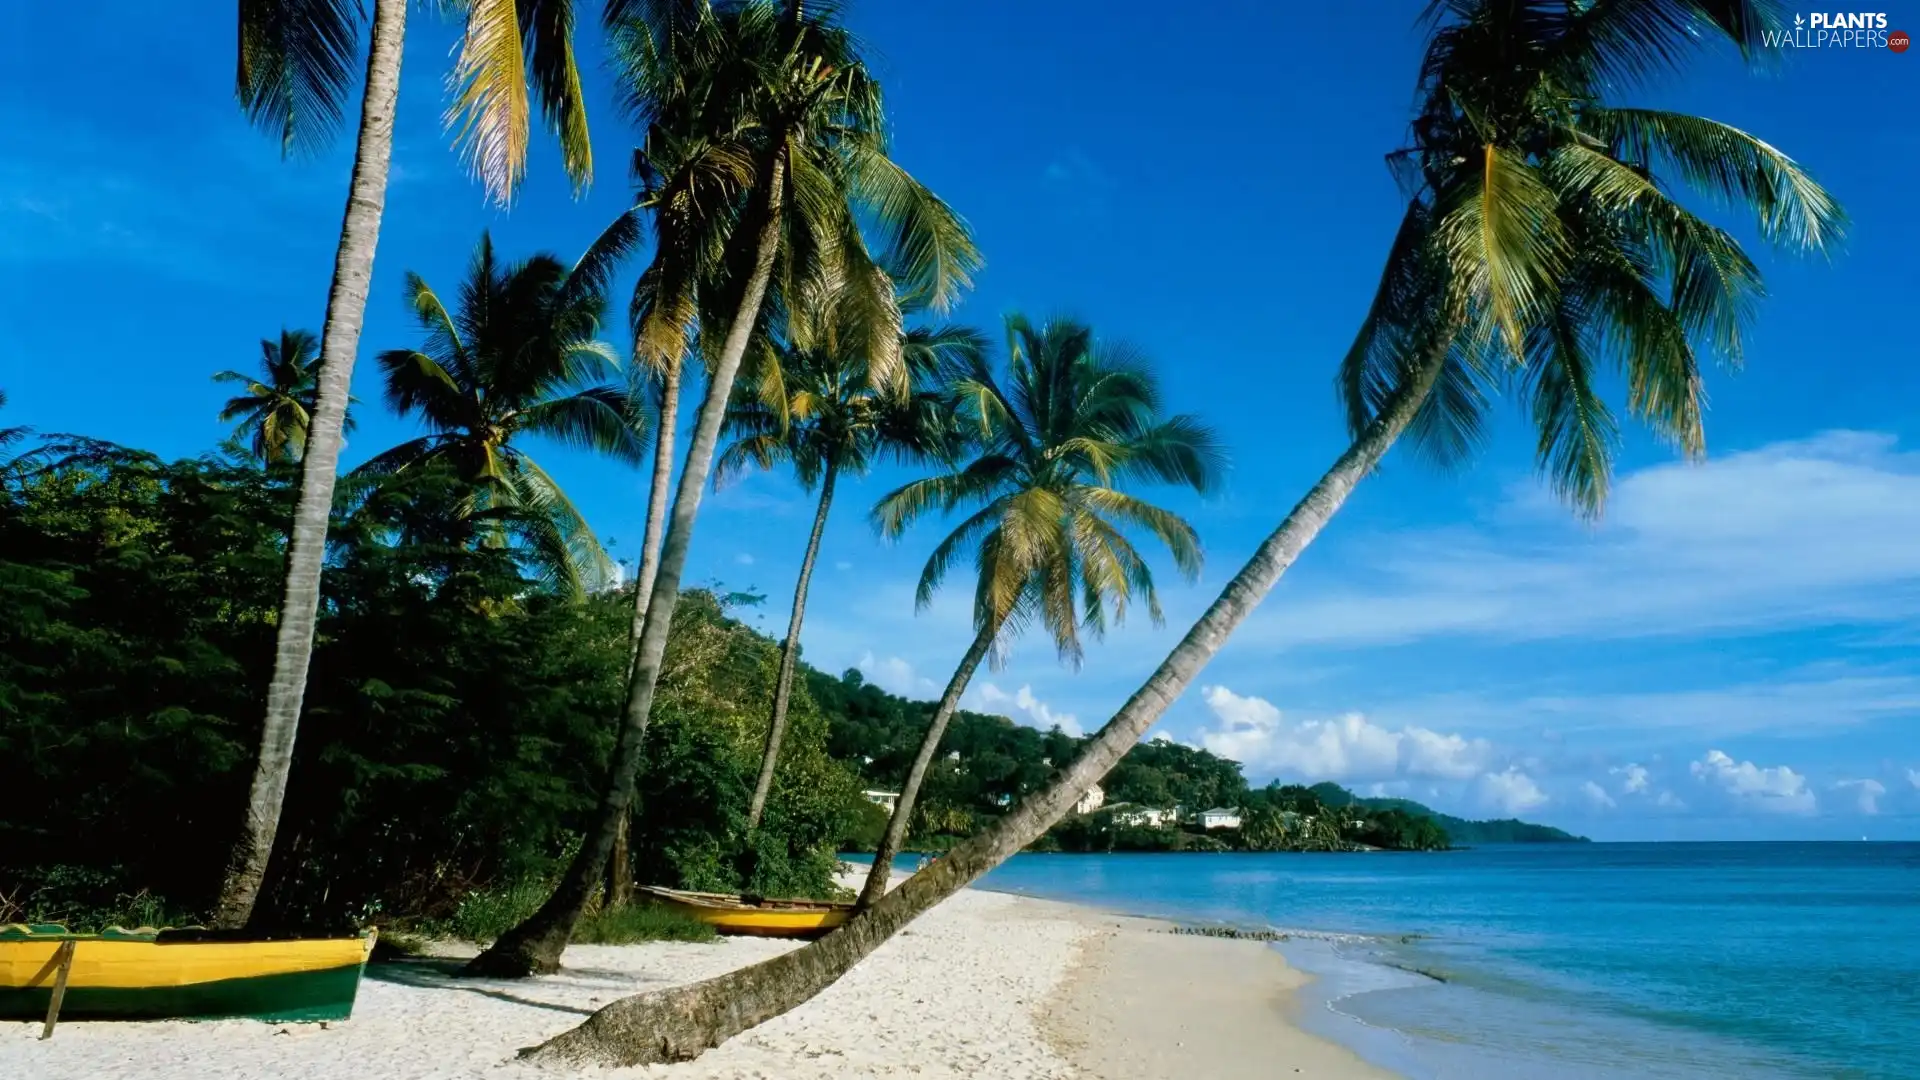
{"points": [[753, 915], [185, 974]]}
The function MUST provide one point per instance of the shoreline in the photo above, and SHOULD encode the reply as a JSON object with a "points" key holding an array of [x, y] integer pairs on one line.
{"points": [[1143, 1003], [987, 984]]}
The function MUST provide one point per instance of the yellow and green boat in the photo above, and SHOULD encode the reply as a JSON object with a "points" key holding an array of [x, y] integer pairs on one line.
{"points": [[187, 974], [754, 916]]}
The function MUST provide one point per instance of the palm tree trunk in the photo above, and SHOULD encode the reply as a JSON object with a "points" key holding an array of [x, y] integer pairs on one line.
{"points": [[896, 835], [619, 888], [340, 342], [789, 658], [535, 945], [681, 1023], [663, 445]]}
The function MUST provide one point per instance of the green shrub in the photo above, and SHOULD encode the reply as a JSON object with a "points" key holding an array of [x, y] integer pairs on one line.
{"points": [[639, 922], [87, 900]]}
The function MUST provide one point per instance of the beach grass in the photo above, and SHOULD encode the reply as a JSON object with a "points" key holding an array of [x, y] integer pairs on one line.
{"points": [[485, 914]]}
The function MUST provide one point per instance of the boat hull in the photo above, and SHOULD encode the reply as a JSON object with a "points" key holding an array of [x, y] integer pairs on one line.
{"points": [[138, 977], [737, 917]]}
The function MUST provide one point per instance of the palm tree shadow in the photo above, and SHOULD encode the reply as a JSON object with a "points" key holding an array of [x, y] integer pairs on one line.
{"points": [[445, 975]]}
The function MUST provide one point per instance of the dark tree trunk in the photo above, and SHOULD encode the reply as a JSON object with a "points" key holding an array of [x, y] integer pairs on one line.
{"points": [[897, 825], [789, 658], [682, 1023], [536, 944], [306, 551]]}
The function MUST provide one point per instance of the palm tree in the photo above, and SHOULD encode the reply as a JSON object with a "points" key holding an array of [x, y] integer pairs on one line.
{"points": [[1075, 418], [294, 77], [11, 435], [509, 361], [829, 419], [1517, 168], [771, 133], [275, 410]]}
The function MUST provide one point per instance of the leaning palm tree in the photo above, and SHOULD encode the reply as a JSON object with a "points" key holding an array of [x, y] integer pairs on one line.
{"points": [[518, 356], [1540, 239], [1075, 419], [770, 112], [294, 77], [275, 409], [828, 419]]}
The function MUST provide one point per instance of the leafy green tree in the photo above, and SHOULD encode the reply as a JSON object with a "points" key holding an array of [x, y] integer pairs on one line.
{"points": [[1539, 240], [137, 599], [1075, 419], [296, 64], [275, 410], [508, 362], [826, 416], [771, 109]]}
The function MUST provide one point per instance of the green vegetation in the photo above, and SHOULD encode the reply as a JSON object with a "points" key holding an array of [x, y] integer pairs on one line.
{"points": [[986, 762], [136, 609], [1463, 833]]}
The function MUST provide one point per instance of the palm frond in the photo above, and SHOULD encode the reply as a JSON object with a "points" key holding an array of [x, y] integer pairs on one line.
{"points": [[1503, 241], [1731, 166], [605, 419], [1576, 430], [547, 30], [296, 67], [928, 247], [490, 114]]}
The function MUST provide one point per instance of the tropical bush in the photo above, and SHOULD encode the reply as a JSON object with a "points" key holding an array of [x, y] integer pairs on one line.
{"points": [[455, 728]]}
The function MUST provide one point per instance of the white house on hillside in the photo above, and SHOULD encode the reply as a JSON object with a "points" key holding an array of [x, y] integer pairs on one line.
{"points": [[1220, 817], [1093, 800], [1151, 817], [886, 800]]}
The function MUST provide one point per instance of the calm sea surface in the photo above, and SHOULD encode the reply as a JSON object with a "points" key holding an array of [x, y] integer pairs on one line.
{"points": [[1579, 961]]}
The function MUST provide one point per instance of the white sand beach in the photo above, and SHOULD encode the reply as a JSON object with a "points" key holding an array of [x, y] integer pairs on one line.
{"points": [[987, 985]]}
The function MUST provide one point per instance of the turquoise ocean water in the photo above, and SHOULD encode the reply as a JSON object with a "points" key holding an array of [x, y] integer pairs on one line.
{"points": [[1587, 961]]}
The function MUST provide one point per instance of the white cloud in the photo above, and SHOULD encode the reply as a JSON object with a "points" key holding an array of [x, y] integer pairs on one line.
{"points": [[894, 675], [1034, 711], [843, 565], [1667, 800], [1805, 533], [1597, 795], [1252, 731], [1913, 777], [743, 559], [1867, 794], [1777, 789], [1634, 778], [1510, 792], [1831, 695]]}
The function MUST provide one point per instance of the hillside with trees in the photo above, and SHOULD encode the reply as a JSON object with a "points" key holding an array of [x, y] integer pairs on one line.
{"points": [[987, 761]]}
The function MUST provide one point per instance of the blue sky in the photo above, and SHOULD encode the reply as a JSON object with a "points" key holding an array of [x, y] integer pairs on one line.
{"points": [[1734, 652]]}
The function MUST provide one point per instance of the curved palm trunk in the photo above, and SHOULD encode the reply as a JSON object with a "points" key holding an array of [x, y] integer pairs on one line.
{"points": [[340, 342], [882, 871], [684, 1022], [535, 945], [789, 658], [619, 888], [663, 444]]}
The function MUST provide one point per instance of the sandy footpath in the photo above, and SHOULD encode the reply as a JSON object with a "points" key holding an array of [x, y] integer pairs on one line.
{"points": [[986, 985]]}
